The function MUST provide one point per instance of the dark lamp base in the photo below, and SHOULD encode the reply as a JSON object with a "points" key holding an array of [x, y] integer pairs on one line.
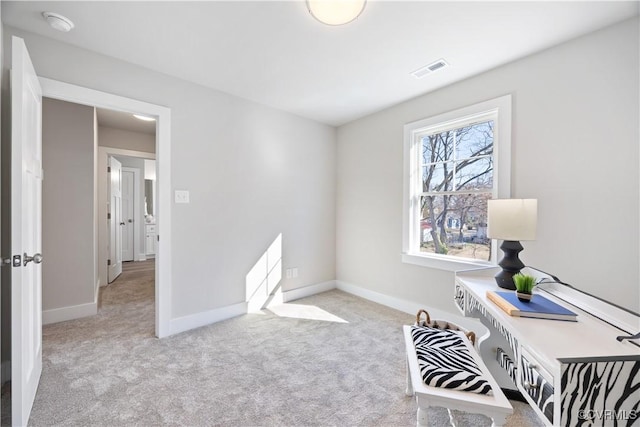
{"points": [[511, 264]]}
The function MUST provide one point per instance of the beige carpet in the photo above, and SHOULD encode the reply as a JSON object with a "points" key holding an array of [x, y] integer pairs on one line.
{"points": [[328, 360]]}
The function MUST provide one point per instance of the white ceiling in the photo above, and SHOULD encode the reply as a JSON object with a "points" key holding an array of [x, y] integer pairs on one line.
{"points": [[126, 121], [276, 54]]}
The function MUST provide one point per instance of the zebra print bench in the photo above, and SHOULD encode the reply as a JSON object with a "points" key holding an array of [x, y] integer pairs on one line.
{"points": [[495, 406]]}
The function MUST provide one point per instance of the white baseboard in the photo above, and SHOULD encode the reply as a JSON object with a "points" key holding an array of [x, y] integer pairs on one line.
{"points": [[307, 291], [142, 257], [69, 313], [255, 305], [389, 301], [102, 285], [193, 321], [6, 371], [410, 307], [182, 324], [205, 318]]}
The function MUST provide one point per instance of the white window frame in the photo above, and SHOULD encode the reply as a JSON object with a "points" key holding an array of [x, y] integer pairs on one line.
{"points": [[498, 110]]}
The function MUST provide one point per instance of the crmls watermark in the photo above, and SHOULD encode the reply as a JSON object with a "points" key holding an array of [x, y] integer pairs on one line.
{"points": [[607, 414]]}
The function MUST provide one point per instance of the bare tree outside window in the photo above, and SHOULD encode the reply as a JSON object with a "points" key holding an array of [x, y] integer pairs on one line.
{"points": [[454, 163], [457, 181]]}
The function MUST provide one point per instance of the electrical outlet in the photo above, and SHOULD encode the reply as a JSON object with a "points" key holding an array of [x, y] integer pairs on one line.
{"points": [[182, 196], [288, 273], [294, 272]]}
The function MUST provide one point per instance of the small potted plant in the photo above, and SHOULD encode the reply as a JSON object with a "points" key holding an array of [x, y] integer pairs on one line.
{"points": [[524, 286]]}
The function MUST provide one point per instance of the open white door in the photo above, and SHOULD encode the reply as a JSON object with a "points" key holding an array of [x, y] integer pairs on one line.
{"points": [[114, 220], [26, 233]]}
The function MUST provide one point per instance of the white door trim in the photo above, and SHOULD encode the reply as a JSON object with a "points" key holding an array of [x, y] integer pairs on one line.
{"points": [[81, 95]]}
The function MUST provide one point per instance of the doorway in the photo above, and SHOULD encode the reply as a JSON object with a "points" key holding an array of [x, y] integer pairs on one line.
{"points": [[73, 134], [130, 204], [84, 96]]}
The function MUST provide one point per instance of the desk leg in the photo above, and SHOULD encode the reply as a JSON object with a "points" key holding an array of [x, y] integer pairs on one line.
{"points": [[409, 390]]}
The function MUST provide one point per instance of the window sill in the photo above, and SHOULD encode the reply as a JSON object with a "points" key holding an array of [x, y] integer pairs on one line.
{"points": [[443, 262]]}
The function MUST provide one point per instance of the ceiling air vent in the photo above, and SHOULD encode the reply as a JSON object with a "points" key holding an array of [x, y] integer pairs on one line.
{"points": [[427, 69]]}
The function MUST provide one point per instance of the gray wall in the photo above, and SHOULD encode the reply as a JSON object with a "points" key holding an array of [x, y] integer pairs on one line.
{"points": [[67, 204], [127, 140], [574, 148], [253, 173]]}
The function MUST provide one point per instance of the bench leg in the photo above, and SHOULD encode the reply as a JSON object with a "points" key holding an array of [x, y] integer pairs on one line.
{"points": [[409, 390], [498, 420], [452, 421], [421, 417]]}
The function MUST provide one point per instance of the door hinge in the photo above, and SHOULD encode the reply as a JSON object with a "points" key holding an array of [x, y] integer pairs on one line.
{"points": [[158, 237], [108, 215], [108, 169], [108, 262]]}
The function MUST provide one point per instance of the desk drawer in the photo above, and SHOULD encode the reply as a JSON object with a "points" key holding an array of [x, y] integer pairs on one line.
{"points": [[458, 298], [537, 383], [506, 363]]}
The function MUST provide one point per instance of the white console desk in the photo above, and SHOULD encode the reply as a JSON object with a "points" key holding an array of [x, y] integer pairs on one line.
{"points": [[571, 373]]}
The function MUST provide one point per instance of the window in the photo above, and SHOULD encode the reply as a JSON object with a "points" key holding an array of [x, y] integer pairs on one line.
{"points": [[455, 163]]}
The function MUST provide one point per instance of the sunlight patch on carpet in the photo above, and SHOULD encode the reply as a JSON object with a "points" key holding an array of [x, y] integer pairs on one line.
{"points": [[309, 312]]}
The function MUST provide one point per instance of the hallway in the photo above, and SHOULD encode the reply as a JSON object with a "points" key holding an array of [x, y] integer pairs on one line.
{"points": [[127, 300], [134, 286]]}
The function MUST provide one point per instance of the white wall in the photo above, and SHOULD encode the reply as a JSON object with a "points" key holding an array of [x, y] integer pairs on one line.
{"points": [[67, 205], [127, 140], [575, 149], [253, 172]]}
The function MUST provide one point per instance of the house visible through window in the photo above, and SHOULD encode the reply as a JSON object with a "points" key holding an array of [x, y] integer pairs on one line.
{"points": [[451, 174]]}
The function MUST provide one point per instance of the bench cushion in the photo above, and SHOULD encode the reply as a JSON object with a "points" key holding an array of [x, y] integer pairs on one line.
{"points": [[445, 361]]}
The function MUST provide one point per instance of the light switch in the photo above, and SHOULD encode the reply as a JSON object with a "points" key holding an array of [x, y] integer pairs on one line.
{"points": [[182, 196]]}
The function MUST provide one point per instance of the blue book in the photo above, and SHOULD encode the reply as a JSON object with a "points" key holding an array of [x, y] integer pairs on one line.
{"points": [[538, 307]]}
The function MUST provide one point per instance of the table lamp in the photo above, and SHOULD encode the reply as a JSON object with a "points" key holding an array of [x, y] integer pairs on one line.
{"points": [[511, 220]]}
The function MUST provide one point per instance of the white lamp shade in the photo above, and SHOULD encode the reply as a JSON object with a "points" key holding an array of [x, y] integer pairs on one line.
{"points": [[335, 12], [513, 219]]}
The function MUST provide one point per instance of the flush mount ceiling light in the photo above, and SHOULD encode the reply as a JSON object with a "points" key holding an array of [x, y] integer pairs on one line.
{"points": [[58, 22], [145, 118], [335, 12]]}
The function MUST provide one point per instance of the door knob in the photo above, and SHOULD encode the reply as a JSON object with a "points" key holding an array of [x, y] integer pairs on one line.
{"points": [[36, 258], [129, 221], [122, 223]]}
